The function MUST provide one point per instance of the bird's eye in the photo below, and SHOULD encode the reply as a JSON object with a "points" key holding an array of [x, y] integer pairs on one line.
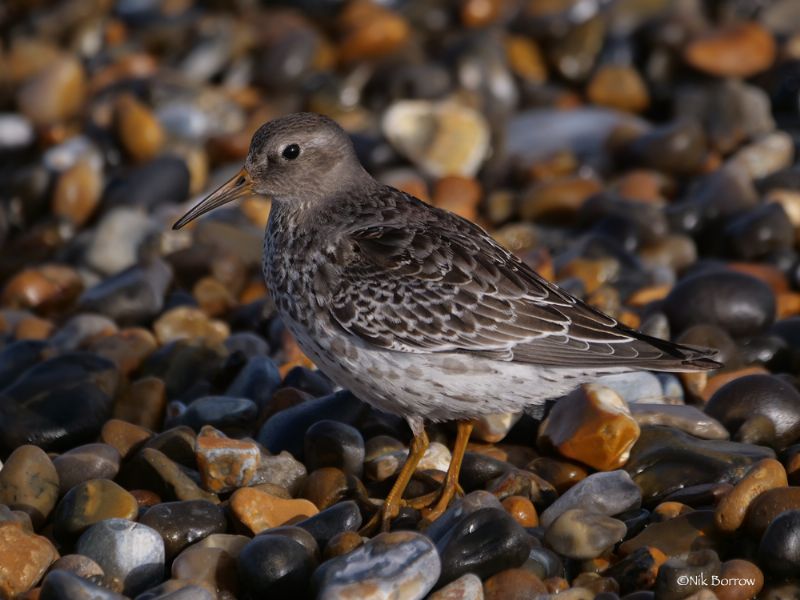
{"points": [[291, 152]]}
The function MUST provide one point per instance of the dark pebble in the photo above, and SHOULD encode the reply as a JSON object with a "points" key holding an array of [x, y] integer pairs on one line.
{"points": [[274, 566], [739, 403], [257, 380], [160, 181], [334, 444], [484, 542], [90, 461], [88, 503], [229, 415], [63, 585], [738, 303], [760, 232], [184, 523], [344, 516], [779, 549]]}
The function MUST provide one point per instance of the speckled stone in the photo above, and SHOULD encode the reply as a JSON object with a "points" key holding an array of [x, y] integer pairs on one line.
{"points": [[24, 557], [402, 563], [88, 503], [29, 482], [580, 534]]}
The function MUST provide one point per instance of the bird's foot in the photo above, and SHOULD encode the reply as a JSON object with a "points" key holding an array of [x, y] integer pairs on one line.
{"points": [[381, 519]]}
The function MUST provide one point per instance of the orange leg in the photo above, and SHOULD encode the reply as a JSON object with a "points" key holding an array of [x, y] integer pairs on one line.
{"points": [[451, 479], [391, 506]]}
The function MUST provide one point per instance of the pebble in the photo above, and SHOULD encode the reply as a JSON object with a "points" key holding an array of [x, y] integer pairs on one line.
{"points": [[153, 470], [440, 138], [676, 537], [222, 412], [214, 567], [483, 542], [779, 548], [44, 289], [259, 510], [740, 304], [620, 87], [24, 558], [55, 94], [63, 585], [77, 193], [130, 554], [88, 503], [398, 564], [677, 577], [79, 565], [274, 566], [137, 128], [739, 579], [164, 179], [580, 534], [767, 474], [334, 444], [681, 416], [602, 434], [117, 237], [225, 464], [90, 461], [124, 437], [768, 505], [466, 587], [610, 493], [258, 380], [183, 523], [186, 322], [29, 482], [342, 516], [130, 297], [739, 50]]}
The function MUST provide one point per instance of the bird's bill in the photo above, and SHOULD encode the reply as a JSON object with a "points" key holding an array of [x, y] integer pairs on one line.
{"points": [[238, 186]]}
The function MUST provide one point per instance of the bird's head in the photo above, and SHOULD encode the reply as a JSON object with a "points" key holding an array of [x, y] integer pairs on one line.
{"points": [[302, 158]]}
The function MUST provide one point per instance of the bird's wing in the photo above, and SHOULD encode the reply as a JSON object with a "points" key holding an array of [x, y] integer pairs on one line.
{"points": [[438, 283]]}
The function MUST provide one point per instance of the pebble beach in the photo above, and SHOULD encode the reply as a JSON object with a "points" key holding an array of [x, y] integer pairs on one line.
{"points": [[162, 435]]}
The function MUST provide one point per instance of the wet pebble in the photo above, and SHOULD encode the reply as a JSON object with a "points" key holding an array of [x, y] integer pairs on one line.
{"points": [[259, 510], [225, 464], [580, 534], [779, 548], [90, 461], [88, 503], [183, 523], [400, 562], [63, 585], [342, 516], [274, 565], [131, 554], [334, 444]]}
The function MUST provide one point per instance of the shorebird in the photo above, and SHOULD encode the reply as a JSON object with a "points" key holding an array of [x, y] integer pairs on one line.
{"points": [[416, 310]]}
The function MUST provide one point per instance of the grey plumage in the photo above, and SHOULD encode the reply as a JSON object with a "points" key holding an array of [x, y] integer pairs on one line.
{"points": [[415, 309]]}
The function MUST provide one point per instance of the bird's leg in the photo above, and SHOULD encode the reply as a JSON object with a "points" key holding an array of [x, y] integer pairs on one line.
{"points": [[391, 506], [451, 479]]}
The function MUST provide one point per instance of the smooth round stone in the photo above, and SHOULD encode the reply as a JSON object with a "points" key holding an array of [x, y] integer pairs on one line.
{"points": [[610, 493], [274, 566], [620, 87], [43, 289], [737, 50], [738, 303], [137, 128], [466, 587], [259, 510], [179, 589], [634, 387], [91, 502], [117, 238], [286, 429], [677, 148], [768, 505], [334, 444], [79, 565], [133, 296], [77, 193], [24, 557], [758, 396], [636, 571], [342, 544], [124, 437], [666, 460], [18, 357], [130, 554], [779, 549], [580, 534], [90, 461], [63, 585], [592, 425], [177, 443], [58, 403], [681, 416], [223, 412], [162, 180], [760, 232], [513, 584], [258, 380], [738, 580], [80, 330], [483, 542], [128, 348], [677, 578], [676, 537], [252, 346], [343, 516], [213, 566], [187, 322], [231, 543], [183, 523], [326, 486], [55, 94], [143, 403], [29, 482], [386, 564], [16, 132], [458, 509], [732, 508], [304, 538]]}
